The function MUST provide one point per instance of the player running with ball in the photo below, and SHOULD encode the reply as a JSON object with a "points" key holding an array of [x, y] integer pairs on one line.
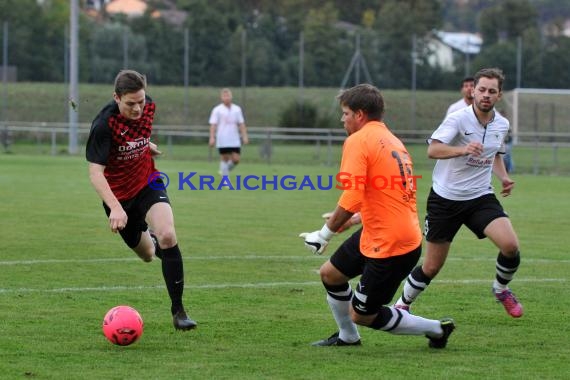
{"points": [[121, 165]]}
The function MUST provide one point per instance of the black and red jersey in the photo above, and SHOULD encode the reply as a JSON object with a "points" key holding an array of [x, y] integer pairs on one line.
{"points": [[122, 146]]}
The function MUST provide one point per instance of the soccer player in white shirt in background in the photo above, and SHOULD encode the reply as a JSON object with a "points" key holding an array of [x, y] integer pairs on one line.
{"points": [[467, 87], [226, 125], [468, 146]]}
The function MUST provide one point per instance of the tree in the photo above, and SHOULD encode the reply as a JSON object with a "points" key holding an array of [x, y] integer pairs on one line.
{"points": [[268, 45], [35, 48], [329, 51], [507, 20], [107, 55], [501, 55], [211, 26], [396, 24], [556, 62], [165, 46], [353, 11]]}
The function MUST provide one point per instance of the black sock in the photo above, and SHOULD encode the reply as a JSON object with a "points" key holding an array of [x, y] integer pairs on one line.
{"points": [[339, 292], [507, 267], [173, 273], [419, 275], [385, 315], [416, 283]]}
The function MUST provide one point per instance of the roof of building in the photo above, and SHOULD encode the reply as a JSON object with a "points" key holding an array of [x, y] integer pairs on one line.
{"points": [[128, 7], [467, 43]]}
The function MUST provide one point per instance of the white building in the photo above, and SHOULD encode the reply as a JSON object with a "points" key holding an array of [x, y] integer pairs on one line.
{"points": [[446, 45]]}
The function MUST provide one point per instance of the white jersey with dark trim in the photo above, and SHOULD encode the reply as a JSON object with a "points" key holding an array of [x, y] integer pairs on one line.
{"points": [[468, 177]]}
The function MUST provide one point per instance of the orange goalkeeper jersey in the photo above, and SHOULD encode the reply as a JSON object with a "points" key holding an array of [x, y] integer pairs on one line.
{"points": [[376, 176]]}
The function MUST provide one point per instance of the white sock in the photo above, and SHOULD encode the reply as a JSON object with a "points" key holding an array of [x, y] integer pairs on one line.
{"points": [[498, 287], [348, 331], [413, 325], [224, 168], [231, 165]]}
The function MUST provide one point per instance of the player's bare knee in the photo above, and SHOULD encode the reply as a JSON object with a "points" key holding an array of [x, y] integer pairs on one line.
{"points": [[354, 316], [431, 270], [510, 250], [144, 254], [166, 239], [325, 278], [328, 276], [361, 312], [357, 318]]}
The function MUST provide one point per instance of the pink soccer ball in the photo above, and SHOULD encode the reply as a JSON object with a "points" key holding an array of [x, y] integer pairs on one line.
{"points": [[122, 325]]}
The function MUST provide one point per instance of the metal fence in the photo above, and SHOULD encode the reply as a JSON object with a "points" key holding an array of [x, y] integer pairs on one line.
{"points": [[536, 152]]}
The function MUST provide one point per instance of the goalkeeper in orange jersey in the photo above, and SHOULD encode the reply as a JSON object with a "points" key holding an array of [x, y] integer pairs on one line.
{"points": [[389, 243]]}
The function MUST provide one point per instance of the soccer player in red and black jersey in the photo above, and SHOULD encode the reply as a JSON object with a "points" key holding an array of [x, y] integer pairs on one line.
{"points": [[121, 163]]}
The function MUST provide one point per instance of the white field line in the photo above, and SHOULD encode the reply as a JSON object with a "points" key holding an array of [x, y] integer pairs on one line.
{"points": [[242, 285], [134, 258], [246, 257]]}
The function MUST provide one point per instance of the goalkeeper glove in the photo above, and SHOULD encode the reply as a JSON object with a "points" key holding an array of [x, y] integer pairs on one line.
{"points": [[317, 241]]}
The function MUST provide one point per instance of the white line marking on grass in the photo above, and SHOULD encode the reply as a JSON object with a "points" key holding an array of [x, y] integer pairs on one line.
{"points": [[64, 261], [247, 257], [122, 288], [245, 285], [475, 281], [122, 259]]}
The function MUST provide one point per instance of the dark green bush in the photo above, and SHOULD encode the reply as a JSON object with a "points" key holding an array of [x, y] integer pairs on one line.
{"points": [[299, 115]]}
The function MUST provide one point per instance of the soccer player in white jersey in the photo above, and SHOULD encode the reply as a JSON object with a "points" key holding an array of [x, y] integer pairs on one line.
{"points": [[467, 146], [467, 87], [226, 125]]}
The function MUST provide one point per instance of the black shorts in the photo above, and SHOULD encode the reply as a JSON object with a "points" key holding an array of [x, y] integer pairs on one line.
{"points": [[136, 209], [444, 217], [229, 150], [380, 278]]}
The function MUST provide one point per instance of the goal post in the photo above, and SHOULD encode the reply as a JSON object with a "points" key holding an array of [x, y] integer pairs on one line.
{"points": [[539, 115]]}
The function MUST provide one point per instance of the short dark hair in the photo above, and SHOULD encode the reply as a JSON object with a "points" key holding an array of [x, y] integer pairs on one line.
{"points": [[467, 79], [129, 81], [363, 97], [491, 73]]}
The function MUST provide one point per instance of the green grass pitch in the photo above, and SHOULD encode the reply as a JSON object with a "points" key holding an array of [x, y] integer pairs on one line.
{"points": [[254, 289]]}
